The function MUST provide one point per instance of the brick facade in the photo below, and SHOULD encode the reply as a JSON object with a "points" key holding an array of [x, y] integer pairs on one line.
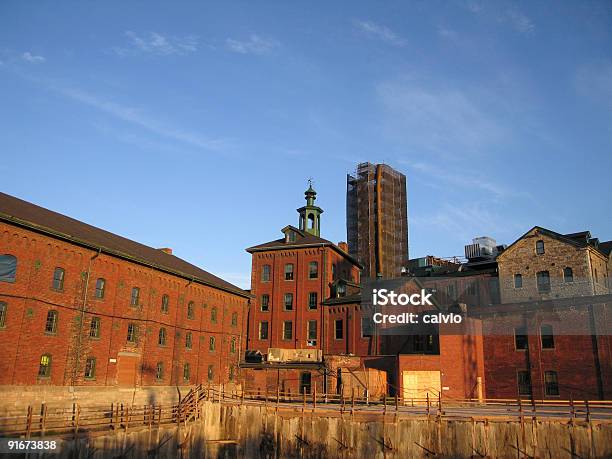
{"points": [[31, 296]]}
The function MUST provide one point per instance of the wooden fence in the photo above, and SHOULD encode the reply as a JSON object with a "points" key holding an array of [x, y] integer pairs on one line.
{"points": [[71, 422]]}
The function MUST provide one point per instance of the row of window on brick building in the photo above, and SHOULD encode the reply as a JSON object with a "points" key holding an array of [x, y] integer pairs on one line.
{"points": [[59, 276], [44, 369], [311, 330], [313, 271], [547, 341]]}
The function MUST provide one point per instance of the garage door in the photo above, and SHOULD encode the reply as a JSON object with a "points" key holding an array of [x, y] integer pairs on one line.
{"points": [[418, 384]]}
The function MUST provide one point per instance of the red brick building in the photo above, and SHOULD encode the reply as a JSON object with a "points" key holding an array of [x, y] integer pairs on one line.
{"points": [[308, 323], [82, 306], [544, 305]]}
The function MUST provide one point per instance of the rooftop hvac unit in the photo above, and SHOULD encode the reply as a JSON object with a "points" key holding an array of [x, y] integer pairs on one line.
{"points": [[481, 247]]}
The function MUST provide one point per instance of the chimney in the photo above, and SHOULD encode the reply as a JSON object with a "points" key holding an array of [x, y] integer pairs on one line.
{"points": [[167, 250], [343, 246]]}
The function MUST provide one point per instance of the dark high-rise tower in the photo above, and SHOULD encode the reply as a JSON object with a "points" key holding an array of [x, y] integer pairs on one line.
{"points": [[377, 219]]}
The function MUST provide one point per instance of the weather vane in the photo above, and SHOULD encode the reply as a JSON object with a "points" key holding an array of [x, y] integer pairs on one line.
{"points": [[310, 182]]}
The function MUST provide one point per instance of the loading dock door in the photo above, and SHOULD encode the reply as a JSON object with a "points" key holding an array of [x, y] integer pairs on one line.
{"points": [[127, 365], [418, 384]]}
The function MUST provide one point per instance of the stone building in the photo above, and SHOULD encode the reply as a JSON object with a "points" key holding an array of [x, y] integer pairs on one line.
{"points": [[82, 306], [550, 336]]}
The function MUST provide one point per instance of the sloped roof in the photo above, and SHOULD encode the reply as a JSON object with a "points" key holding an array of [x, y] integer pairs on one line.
{"points": [[302, 240], [31, 216], [580, 239], [606, 247]]}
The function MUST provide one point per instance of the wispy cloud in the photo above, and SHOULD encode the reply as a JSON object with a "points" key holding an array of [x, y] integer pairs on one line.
{"points": [[441, 120], [32, 58], [521, 23], [380, 32], [464, 179], [445, 32], [594, 81], [463, 221], [253, 45], [138, 118], [518, 20], [157, 43]]}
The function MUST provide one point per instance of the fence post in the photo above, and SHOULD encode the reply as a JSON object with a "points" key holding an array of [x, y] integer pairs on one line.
{"points": [[427, 393], [314, 398], [520, 407], [479, 393], [76, 421], [396, 403], [352, 400], [385, 405], [588, 411], [29, 422], [43, 419]]}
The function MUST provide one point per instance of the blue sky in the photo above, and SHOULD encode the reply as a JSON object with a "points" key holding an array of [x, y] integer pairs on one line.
{"points": [[196, 125]]}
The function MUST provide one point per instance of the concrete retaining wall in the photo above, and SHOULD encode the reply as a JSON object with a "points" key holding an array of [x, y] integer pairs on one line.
{"points": [[254, 431]]}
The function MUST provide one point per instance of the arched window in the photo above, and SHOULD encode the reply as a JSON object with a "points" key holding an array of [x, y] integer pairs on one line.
{"points": [[211, 372], [213, 315], [162, 337], [234, 319], [58, 279], [288, 301], [3, 308], [289, 271], [188, 340], [44, 369], [165, 304], [100, 287], [233, 346], [191, 310], [568, 274], [265, 273], [313, 270], [551, 383], [186, 372], [540, 247], [51, 323], [8, 268], [135, 296], [90, 368], [132, 332], [311, 221], [159, 371], [211, 344], [94, 327]]}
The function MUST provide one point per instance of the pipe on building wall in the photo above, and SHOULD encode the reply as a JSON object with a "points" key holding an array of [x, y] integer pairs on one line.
{"points": [[83, 306]]}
